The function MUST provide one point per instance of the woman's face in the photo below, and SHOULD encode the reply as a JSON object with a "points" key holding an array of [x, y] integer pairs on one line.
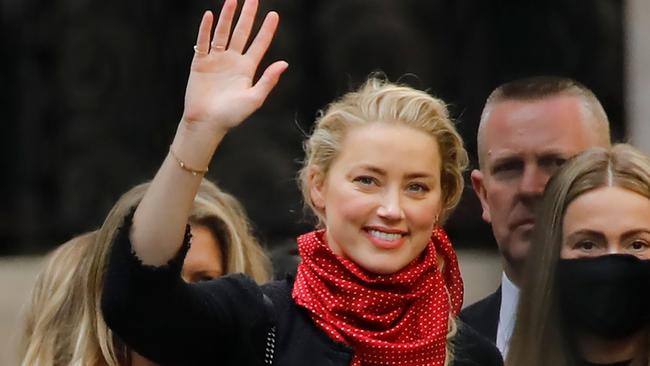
{"points": [[381, 197], [607, 220], [204, 260]]}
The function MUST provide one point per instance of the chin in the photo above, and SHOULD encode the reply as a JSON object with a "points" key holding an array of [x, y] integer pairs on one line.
{"points": [[380, 268], [516, 256]]}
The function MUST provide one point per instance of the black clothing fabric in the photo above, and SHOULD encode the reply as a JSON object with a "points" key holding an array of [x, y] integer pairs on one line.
{"points": [[227, 321], [483, 315], [622, 363]]}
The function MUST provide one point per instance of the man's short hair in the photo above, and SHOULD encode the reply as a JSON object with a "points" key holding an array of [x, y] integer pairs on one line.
{"points": [[541, 87]]}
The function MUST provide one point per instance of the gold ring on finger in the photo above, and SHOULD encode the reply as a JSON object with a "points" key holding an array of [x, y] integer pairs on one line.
{"points": [[199, 52]]}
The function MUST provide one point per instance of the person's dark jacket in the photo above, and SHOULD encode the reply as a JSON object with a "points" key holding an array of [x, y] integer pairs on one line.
{"points": [[227, 321], [483, 315]]}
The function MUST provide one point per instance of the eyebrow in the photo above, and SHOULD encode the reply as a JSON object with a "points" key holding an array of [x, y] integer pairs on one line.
{"points": [[505, 159], [382, 172], [514, 155], [588, 232], [632, 232]]}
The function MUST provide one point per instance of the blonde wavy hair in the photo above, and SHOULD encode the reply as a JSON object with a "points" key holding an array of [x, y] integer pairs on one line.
{"points": [[378, 100], [381, 101], [73, 331], [54, 310], [540, 336]]}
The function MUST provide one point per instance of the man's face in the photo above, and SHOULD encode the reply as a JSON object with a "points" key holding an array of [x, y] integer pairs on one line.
{"points": [[524, 142]]}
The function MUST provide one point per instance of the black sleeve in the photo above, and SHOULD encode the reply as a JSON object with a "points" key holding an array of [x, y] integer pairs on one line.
{"points": [[171, 322], [472, 349]]}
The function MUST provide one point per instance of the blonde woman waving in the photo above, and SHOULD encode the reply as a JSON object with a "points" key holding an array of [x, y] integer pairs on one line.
{"points": [[379, 282]]}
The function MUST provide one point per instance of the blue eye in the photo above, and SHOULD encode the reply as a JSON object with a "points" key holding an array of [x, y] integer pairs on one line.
{"points": [[417, 188], [365, 180]]}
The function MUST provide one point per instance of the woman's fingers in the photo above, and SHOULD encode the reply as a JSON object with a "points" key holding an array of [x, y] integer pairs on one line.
{"points": [[222, 30], [244, 25], [269, 79], [202, 46], [264, 37]]}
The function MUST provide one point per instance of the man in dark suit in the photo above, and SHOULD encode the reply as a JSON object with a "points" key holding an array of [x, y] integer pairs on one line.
{"points": [[528, 128]]}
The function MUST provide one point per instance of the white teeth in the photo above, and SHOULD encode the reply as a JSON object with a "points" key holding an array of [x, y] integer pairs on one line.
{"points": [[384, 236]]}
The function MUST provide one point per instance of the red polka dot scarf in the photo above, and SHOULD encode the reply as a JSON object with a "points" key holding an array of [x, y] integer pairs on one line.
{"points": [[396, 319]]}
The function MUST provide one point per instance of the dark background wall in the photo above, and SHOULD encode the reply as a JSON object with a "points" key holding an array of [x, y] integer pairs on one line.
{"points": [[92, 91]]}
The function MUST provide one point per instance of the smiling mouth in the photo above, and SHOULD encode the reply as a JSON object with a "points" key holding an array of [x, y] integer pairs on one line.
{"points": [[386, 239], [384, 236]]}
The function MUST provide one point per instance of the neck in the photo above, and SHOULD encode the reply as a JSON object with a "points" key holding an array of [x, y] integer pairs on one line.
{"points": [[513, 274], [598, 350]]}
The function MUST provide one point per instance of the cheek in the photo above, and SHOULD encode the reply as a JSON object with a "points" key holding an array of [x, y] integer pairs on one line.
{"points": [[645, 255], [344, 203], [355, 208], [566, 252], [498, 199], [423, 215]]}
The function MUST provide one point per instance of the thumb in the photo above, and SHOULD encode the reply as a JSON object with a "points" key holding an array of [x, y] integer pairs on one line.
{"points": [[269, 79]]}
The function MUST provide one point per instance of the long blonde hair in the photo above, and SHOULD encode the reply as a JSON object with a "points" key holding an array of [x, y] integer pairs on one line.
{"points": [[540, 337], [53, 316], [91, 342]]}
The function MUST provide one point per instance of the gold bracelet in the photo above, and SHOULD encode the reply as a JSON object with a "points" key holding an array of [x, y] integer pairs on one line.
{"points": [[183, 166]]}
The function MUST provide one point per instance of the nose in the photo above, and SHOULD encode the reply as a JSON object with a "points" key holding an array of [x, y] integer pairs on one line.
{"points": [[614, 248], [390, 207], [533, 181]]}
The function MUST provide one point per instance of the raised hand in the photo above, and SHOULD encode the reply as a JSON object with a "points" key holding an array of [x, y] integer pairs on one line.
{"points": [[221, 92]]}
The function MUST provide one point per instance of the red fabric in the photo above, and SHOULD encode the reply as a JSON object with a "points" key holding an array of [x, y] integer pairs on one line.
{"points": [[396, 319]]}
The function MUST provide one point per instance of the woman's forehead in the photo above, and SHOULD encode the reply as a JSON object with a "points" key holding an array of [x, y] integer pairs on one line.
{"points": [[390, 146]]}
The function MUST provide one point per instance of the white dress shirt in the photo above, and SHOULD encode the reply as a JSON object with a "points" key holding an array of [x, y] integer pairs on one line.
{"points": [[507, 313]]}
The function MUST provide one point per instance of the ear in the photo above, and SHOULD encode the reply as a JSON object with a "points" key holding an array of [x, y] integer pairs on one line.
{"points": [[478, 183], [317, 189]]}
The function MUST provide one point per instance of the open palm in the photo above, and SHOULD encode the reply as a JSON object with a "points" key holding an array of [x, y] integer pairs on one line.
{"points": [[221, 92]]}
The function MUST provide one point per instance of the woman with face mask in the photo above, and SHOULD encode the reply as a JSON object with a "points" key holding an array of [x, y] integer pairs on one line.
{"points": [[379, 282], [586, 296]]}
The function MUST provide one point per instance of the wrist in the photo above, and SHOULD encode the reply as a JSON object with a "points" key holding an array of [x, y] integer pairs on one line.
{"points": [[195, 146], [200, 131]]}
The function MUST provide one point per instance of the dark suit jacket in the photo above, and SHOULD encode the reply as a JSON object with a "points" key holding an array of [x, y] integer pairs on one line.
{"points": [[483, 315]]}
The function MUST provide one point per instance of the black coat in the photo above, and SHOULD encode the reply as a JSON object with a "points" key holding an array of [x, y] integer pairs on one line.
{"points": [[483, 315], [227, 321]]}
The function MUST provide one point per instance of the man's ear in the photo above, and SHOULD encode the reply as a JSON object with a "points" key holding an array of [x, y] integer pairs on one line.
{"points": [[317, 189], [478, 183]]}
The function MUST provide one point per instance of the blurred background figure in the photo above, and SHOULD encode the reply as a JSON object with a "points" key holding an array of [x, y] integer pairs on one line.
{"points": [[53, 317], [585, 295], [63, 323]]}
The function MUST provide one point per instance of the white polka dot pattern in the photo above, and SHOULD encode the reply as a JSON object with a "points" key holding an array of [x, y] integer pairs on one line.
{"points": [[396, 319]]}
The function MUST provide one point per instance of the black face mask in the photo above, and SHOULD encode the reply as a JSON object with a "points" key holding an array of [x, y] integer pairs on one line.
{"points": [[607, 296]]}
